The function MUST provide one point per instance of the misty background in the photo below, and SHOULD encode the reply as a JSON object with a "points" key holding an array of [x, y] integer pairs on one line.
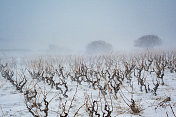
{"points": [[68, 26]]}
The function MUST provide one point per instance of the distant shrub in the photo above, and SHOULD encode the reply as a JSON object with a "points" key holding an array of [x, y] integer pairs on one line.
{"points": [[148, 41], [98, 47]]}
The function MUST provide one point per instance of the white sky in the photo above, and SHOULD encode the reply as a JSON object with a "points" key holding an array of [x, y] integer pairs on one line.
{"points": [[72, 24]]}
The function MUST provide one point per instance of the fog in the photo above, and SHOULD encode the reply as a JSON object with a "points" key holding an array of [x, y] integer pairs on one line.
{"points": [[67, 27]]}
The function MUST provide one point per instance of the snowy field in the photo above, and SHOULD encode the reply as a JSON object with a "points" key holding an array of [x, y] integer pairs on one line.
{"points": [[141, 84]]}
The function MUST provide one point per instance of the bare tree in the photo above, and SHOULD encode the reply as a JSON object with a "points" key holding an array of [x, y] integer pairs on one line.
{"points": [[148, 41], [98, 47]]}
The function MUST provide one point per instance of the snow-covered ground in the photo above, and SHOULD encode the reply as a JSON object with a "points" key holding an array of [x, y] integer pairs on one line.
{"points": [[88, 86]]}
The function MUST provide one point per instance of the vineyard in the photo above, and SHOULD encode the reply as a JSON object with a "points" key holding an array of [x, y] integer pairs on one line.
{"points": [[140, 84]]}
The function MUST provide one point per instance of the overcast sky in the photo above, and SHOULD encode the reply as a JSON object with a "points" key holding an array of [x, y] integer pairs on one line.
{"points": [[72, 24]]}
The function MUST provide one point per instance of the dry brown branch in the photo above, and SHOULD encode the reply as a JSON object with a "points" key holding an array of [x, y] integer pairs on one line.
{"points": [[79, 109], [163, 102], [135, 109], [73, 98], [172, 110], [167, 114], [2, 111]]}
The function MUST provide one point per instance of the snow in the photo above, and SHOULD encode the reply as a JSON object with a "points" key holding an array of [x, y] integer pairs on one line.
{"points": [[12, 101]]}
